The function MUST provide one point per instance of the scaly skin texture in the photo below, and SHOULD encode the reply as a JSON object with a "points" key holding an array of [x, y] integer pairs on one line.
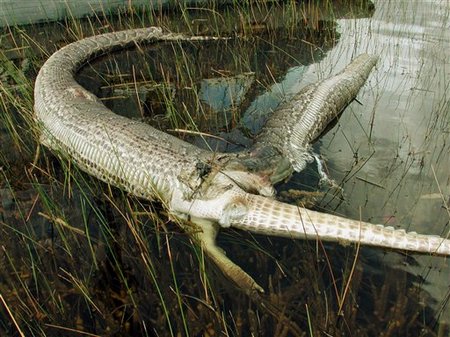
{"points": [[295, 125], [154, 165], [283, 145]]}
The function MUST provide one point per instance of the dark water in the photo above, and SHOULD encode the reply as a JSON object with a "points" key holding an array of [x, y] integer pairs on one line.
{"points": [[389, 152]]}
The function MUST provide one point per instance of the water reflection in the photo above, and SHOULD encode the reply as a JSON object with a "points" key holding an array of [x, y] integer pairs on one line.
{"points": [[386, 152], [391, 151]]}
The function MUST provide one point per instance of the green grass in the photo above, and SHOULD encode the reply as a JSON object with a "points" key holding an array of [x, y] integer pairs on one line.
{"points": [[80, 258]]}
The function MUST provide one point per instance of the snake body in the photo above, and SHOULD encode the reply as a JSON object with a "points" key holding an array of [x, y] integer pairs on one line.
{"points": [[151, 164], [133, 156], [283, 145], [293, 127]]}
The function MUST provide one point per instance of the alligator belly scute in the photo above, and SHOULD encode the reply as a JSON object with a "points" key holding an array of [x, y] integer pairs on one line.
{"points": [[152, 164]]}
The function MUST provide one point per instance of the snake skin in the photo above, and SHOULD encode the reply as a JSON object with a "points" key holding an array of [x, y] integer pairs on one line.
{"points": [[297, 123], [153, 165]]}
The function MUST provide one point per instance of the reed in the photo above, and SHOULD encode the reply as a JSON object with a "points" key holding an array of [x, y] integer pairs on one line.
{"points": [[80, 258]]}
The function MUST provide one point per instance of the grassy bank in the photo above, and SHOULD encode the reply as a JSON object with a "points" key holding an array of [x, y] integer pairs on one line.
{"points": [[80, 258]]}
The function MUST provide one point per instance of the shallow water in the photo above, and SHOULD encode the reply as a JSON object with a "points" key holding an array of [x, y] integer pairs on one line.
{"points": [[390, 152]]}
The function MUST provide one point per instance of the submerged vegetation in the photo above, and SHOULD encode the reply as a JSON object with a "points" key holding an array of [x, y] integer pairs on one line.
{"points": [[81, 258]]}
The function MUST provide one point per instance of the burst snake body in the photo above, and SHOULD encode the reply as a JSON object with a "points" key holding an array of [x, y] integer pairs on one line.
{"points": [[151, 164]]}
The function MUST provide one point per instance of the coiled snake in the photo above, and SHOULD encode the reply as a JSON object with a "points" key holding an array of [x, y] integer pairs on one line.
{"points": [[151, 164]]}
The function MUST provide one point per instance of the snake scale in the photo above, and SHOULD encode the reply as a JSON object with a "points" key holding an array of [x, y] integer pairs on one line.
{"points": [[154, 165]]}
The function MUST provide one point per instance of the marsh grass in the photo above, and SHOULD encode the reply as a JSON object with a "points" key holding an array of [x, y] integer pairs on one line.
{"points": [[80, 258]]}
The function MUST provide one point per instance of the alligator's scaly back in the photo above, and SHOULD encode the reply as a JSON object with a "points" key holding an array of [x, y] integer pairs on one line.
{"points": [[152, 164], [266, 216], [271, 217]]}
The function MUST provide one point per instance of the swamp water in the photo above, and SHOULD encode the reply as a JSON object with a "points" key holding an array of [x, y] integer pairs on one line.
{"points": [[78, 257]]}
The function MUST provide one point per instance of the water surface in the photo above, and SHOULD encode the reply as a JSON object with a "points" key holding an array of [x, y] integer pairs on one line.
{"points": [[70, 250]]}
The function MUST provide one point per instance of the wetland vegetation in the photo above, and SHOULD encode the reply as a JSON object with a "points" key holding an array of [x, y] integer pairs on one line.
{"points": [[81, 258]]}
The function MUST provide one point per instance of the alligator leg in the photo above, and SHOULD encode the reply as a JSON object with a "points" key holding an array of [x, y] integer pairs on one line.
{"points": [[206, 237]]}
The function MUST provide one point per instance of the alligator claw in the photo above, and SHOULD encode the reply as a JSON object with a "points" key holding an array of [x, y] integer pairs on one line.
{"points": [[206, 236]]}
